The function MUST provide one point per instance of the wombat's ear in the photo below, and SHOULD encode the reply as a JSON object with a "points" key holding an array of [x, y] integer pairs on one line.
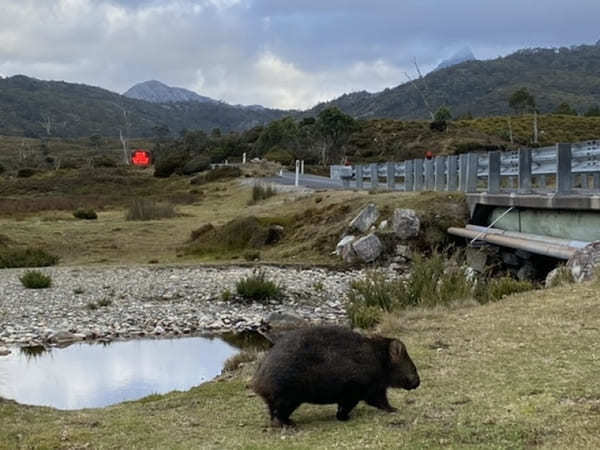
{"points": [[397, 350]]}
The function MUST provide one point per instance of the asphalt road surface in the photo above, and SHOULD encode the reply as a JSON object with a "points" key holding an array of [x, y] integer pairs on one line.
{"points": [[309, 181]]}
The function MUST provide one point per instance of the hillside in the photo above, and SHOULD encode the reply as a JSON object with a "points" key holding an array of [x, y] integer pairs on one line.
{"points": [[482, 88], [36, 108]]}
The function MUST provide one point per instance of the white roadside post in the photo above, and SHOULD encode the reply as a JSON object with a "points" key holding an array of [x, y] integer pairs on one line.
{"points": [[302, 167], [297, 180], [244, 158]]}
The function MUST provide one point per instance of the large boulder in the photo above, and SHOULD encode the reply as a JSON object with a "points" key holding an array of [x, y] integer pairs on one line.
{"points": [[368, 248], [367, 217], [584, 262], [406, 223]]}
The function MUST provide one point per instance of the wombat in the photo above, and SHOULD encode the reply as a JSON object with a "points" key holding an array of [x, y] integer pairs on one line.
{"points": [[327, 364]]}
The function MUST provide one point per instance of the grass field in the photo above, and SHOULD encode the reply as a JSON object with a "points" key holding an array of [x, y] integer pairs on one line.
{"points": [[520, 373]]}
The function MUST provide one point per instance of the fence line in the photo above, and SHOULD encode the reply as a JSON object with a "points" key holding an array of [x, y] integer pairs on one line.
{"points": [[560, 168]]}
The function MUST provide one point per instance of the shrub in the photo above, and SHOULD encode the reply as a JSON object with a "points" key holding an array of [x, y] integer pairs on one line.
{"points": [[167, 166], [498, 288], [199, 232], [145, 209], [85, 214], [218, 174], [563, 277], [257, 287], [197, 164], [280, 156], [362, 316], [33, 279], [238, 360], [27, 257], [252, 256], [226, 295], [26, 172], [104, 161], [261, 192], [104, 302]]}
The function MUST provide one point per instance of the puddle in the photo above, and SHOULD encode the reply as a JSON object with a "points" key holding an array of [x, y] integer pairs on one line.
{"points": [[95, 375]]}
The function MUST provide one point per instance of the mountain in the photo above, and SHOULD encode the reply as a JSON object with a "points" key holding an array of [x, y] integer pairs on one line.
{"points": [[464, 54], [33, 108], [156, 92], [482, 88]]}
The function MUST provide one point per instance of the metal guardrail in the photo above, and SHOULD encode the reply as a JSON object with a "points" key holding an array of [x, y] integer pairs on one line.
{"points": [[560, 168]]}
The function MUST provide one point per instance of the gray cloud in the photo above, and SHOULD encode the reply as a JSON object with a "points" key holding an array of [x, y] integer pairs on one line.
{"points": [[276, 53]]}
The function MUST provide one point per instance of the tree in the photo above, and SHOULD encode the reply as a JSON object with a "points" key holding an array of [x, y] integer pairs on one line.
{"points": [[334, 127], [593, 111], [565, 109], [522, 101], [442, 114]]}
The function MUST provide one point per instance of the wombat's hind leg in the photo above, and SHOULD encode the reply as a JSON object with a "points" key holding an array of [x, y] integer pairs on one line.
{"points": [[280, 414], [379, 400], [344, 408]]}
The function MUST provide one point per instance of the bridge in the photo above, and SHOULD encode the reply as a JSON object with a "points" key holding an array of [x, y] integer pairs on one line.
{"points": [[544, 200]]}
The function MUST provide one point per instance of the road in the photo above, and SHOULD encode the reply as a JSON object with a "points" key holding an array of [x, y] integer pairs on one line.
{"points": [[309, 181]]}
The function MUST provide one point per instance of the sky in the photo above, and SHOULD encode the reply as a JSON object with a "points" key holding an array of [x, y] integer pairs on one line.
{"points": [[287, 54]]}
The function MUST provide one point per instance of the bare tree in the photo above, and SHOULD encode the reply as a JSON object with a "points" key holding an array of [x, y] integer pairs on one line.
{"points": [[422, 79], [47, 123], [125, 138]]}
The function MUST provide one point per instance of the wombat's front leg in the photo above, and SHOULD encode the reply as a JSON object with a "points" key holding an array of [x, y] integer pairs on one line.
{"points": [[379, 400], [280, 414], [344, 408]]}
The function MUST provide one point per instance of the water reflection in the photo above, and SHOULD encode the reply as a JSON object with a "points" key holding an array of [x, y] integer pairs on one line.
{"points": [[86, 376]]}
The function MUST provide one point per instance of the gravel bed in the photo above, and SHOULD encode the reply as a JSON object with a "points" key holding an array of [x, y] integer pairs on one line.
{"points": [[156, 301]]}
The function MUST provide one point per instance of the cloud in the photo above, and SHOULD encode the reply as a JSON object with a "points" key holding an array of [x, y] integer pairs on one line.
{"points": [[276, 53]]}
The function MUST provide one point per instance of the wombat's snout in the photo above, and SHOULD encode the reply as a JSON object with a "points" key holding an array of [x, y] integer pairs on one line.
{"points": [[413, 383]]}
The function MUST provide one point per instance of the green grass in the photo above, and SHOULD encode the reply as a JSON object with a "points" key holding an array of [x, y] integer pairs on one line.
{"points": [[511, 374], [257, 287], [34, 279]]}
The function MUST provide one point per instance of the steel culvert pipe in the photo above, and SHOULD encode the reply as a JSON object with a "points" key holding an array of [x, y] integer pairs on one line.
{"points": [[533, 246]]}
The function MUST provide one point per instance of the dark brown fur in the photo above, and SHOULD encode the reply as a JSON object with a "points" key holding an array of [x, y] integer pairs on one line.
{"points": [[332, 365]]}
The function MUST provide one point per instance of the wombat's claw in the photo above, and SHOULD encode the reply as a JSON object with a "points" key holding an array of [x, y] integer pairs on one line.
{"points": [[282, 423]]}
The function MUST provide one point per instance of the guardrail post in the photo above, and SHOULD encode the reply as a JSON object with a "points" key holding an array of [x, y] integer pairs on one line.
{"points": [[440, 173], [374, 176], [391, 175], [359, 177], [597, 181], [418, 174], [297, 178], [494, 172], [584, 181], [472, 166], [409, 176], [452, 173], [564, 177], [542, 181], [429, 181], [524, 171], [462, 172]]}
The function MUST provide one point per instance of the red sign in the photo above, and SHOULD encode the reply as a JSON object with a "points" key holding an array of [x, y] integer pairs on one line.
{"points": [[141, 158]]}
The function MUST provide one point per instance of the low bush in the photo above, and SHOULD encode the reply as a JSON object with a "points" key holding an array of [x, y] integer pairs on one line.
{"points": [[497, 288], [85, 214], [218, 174], [167, 166], [261, 192], [145, 209], [33, 279], [257, 287], [26, 257], [26, 172]]}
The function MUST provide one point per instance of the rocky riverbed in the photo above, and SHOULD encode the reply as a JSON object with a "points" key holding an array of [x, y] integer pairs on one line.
{"points": [[108, 303]]}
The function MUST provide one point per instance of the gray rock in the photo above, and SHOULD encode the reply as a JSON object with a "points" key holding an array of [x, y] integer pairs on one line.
{"points": [[510, 259], [406, 223], [346, 241], [62, 338], [551, 277], [527, 272], [4, 351], [368, 248], [584, 262], [403, 251], [476, 259], [383, 225], [367, 217]]}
